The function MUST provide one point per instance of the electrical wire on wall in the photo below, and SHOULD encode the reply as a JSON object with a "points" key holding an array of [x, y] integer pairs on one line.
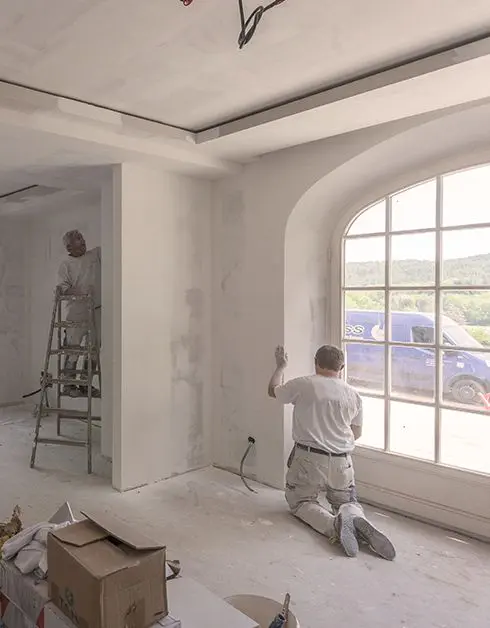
{"points": [[249, 25]]}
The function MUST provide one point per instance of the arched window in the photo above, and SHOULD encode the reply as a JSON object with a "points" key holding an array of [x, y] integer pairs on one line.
{"points": [[416, 309]]}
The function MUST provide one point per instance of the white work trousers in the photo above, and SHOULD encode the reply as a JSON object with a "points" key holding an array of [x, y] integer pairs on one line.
{"points": [[75, 335], [311, 475]]}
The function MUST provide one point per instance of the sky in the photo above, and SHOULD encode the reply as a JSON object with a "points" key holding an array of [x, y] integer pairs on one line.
{"points": [[466, 201]]}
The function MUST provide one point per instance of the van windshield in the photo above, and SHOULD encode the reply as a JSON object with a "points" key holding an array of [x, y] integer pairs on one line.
{"points": [[459, 336]]}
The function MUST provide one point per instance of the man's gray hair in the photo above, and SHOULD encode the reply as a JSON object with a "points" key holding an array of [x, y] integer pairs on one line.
{"points": [[330, 358], [70, 235]]}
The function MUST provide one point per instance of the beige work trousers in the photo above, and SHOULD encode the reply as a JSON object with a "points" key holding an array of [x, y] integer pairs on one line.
{"points": [[311, 475], [76, 335]]}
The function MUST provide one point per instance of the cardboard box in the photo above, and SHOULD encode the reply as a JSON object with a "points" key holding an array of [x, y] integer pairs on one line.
{"points": [[104, 573]]}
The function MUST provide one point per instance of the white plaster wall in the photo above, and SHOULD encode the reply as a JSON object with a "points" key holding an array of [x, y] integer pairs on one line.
{"points": [[43, 255], [13, 302], [276, 264], [161, 333], [250, 218]]}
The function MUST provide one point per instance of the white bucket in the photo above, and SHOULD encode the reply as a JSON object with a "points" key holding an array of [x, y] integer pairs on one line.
{"points": [[261, 609]]}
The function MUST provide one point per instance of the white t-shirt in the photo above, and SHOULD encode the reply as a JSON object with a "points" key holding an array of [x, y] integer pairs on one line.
{"points": [[325, 408], [82, 274]]}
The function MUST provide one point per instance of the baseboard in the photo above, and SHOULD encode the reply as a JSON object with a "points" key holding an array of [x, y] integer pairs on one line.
{"points": [[247, 476], [450, 519], [410, 506], [163, 479]]}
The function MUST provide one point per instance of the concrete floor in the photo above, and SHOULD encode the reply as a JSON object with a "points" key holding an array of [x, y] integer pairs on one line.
{"points": [[235, 542]]}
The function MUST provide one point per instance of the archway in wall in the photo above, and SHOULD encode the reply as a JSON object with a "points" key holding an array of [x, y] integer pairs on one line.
{"points": [[431, 488]]}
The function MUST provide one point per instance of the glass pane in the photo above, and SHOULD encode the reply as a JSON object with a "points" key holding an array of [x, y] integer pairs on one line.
{"points": [[413, 372], [365, 366], [364, 314], [464, 440], [365, 262], [414, 208], [412, 430], [465, 320], [466, 197], [412, 317], [413, 259], [465, 377], [371, 220], [466, 261], [373, 428]]}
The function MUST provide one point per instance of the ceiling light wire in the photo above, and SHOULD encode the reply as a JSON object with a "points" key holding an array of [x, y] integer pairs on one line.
{"points": [[249, 25]]}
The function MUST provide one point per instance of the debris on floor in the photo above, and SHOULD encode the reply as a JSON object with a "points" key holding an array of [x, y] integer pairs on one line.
{"points": [[55, 597], [10, 528]]}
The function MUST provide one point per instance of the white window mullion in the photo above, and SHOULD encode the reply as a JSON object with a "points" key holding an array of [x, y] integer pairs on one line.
{"points": [[437, 324], [387, 349]]}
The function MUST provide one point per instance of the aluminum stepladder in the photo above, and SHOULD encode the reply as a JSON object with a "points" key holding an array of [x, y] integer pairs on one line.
{"points": [[89, 351]]}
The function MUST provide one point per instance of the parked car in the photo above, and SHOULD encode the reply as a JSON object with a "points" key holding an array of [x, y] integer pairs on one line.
{"points": [[465, 374]]}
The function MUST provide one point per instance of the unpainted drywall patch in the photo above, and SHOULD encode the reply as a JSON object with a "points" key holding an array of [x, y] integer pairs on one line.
{"points": [[195, 300], [188, 368]]}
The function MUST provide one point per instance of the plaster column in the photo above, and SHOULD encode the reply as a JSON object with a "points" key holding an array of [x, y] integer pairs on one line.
{"points": [[137, 247]]}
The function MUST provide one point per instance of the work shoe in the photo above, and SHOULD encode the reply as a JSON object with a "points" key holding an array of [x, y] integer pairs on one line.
{"points": [[84, 392], [71, 391], [378, 542], [344, 526]]}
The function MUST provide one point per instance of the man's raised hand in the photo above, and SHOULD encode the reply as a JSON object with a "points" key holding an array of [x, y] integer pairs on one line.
{"points": [[281, 357]]}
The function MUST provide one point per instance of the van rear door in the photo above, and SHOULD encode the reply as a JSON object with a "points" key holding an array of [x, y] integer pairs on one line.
{"points": [[365, 362]]}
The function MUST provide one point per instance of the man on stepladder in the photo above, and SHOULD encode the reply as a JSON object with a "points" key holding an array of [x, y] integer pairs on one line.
{"points": [[80, 274], [327, 420]]}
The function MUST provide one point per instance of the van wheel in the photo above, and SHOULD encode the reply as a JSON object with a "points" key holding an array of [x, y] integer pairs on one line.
{"points": [[467, 391]]}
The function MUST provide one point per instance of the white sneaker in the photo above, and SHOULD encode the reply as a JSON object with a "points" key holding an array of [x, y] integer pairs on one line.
{"points": [[344, 525], [377, 541]]}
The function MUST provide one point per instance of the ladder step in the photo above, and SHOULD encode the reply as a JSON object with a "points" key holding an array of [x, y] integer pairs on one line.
{"points": [[62, 441], [69, 381], [84, 396], [72, 351], [71, 414], [75, 372], [95, 419], [62, 324], [74, 297]]}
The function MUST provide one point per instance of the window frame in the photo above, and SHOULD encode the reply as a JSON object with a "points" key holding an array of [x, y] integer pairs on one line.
{"points": [[338, 314]]}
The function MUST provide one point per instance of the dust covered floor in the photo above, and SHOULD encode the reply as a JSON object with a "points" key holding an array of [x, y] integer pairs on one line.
{"points": [[236, 542]]}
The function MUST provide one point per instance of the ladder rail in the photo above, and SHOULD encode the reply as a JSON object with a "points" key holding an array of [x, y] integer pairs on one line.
{"points": [[59, 359], [44, 380], [90, 357], [98, 345]]}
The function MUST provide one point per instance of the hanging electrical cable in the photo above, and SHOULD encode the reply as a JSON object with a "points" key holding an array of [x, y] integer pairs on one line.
{"points": [[249, 25], [251, 443]]}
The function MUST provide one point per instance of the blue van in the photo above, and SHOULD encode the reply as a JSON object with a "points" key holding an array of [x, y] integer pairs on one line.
{"points": [[465, 375]]}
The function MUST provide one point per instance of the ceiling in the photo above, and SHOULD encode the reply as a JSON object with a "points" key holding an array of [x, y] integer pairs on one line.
{"points": [[181, 66], [28, 158]]}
